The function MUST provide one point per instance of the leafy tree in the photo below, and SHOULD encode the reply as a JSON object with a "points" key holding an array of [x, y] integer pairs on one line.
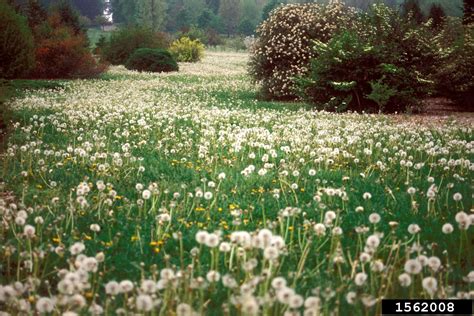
{"points": [[246, 27], [173, 9], [124, 11], [182, 19], [194, 8], [437, 15], [468, 16], [229, 11], [411, 10], [205, 19], [151, 13], [250, 11]]}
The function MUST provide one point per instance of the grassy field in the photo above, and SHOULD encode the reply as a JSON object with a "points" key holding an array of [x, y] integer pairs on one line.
{"points": [[181, 193]]}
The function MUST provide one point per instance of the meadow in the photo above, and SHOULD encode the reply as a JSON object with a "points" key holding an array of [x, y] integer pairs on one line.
{"points": [[183, 194]]}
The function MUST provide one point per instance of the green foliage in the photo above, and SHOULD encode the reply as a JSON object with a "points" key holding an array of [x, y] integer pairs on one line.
{"points": [[229, 11], [187, 50], [381, 93], [391, 66], [151, 14], [455, 75], [151, 60], [246, 27], [195, 33], [16, 43], [124, 41]]}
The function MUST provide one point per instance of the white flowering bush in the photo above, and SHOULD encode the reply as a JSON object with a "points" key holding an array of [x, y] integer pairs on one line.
{"points": [[283, 45], [151, 193]]}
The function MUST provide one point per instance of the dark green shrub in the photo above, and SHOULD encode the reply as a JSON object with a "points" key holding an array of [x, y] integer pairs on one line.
{"points": [[387, 67], [151, 60], [283, 47], [123, 42], [17, 54]]}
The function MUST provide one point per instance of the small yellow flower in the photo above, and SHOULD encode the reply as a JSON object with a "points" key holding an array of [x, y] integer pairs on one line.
{"points": [[134, 238], [156, 250]]}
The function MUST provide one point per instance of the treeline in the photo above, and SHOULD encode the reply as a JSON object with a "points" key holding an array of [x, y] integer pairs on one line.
{"points": [[220, 16]]}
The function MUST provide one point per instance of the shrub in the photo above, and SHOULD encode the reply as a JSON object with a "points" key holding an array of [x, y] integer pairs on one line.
{"points": [[388, 67], [151, 60], [16, 43], [284, 40], [124, 41], [187, 50], [65, 55]]}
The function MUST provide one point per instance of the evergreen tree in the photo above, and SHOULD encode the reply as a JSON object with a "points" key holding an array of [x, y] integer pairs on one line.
{"points": [[68, 16], [468, 16], [437, 15]]}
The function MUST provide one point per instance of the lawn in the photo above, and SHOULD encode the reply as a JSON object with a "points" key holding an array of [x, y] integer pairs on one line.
{"points": [[181, 192]]}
